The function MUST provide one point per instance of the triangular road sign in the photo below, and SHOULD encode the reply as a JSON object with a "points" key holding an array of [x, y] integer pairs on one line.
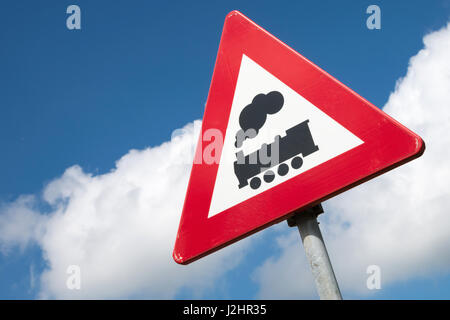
{"points": [[293, 136]]}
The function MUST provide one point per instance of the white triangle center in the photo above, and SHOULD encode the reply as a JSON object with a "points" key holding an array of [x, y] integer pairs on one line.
{"points": [[330, 137]]}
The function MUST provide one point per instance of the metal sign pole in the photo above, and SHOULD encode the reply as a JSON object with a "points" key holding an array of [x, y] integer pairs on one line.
{"points": [[316, 252]]}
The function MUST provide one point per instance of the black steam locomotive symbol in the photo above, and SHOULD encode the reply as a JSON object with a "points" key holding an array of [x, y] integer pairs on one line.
{"points": [[298, 140]]}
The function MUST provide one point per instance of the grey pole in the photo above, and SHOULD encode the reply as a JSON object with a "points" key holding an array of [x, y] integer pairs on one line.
{"points": [[316, 252]]}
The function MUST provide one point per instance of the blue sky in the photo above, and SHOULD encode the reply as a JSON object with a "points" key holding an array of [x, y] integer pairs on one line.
{"points": [[137, 70]]}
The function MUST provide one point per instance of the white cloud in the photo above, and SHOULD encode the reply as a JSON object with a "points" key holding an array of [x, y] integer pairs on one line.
{"points": [[399, 221], [20, 224], [291, 266], [119, 227]]}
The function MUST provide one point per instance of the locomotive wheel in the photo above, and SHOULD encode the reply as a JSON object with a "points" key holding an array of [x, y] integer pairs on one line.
{"points": [[255, 183], [283, 169], [269, 175], [296, 162]]}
